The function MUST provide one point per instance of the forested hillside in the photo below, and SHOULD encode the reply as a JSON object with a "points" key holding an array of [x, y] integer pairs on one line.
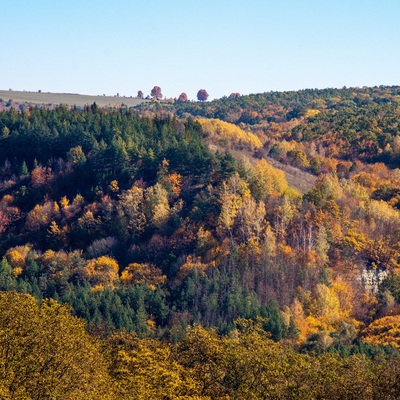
{"points": [[172, 230]]}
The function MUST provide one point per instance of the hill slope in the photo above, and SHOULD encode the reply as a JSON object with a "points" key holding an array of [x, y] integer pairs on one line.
{"points": [[153, 222]]}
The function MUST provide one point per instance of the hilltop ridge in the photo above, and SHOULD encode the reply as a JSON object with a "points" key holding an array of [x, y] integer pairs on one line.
{"points": [[70, 99]]}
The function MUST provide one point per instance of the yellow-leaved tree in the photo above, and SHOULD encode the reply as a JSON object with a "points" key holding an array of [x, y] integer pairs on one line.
{"points": [[144, 369], [130, 214], [232, 193], [229, 135], [149, 274], [267, 180], [16, 257], [384, 331], [102, 271], [157, 207], [45, 353]]}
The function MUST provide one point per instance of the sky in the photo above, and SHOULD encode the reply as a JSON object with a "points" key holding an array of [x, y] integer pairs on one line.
{"points": [[222, 46]]}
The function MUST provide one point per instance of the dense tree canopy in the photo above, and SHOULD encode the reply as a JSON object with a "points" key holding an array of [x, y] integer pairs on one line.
{"points": [[175, 221], [46, 353]]}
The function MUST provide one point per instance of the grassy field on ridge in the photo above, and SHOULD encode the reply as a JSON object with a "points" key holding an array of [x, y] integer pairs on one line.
{"points": [[67, 98]]}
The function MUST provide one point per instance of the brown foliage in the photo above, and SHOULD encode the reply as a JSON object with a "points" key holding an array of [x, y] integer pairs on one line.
{"points": [[156, 92], [183, 98], [202, 95]]}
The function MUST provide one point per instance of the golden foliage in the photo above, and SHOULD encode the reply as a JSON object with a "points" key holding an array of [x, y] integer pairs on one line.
{"points": [[284, 146], [192, 264], [230, 135], [344, 291], [296, 311], [355, 240], [57, 235], [113, 186], [327, 303], [267, 180], [142, 273], [383, 213], [46, 353], [145, 369], [232, 195], [251, 216], [102, 271], [205, 241], [311, 113], [157, 205], [130, 211], [324, 310], [16, 257], [64, 202], [41, 215], [384, 331], [173, 184]]}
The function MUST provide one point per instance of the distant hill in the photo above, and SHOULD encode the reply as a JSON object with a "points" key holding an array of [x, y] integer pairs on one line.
{"points": [[67, 98]]}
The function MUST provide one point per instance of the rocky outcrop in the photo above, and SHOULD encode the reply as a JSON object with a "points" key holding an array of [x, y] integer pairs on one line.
{"points": [[372, 278]]}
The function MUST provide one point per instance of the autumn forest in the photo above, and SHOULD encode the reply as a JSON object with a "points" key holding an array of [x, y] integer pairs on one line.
{"points": [[240, 248]]}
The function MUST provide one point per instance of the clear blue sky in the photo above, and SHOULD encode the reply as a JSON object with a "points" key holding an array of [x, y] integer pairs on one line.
{"points": [[223, 46]]}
